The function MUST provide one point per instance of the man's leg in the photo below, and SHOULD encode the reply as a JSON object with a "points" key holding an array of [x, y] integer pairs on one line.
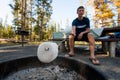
{"points": [[71, 44], [91, 45], [92, 48]]}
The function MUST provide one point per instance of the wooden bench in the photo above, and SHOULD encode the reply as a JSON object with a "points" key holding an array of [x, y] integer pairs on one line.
{"points": [[108, 44]]}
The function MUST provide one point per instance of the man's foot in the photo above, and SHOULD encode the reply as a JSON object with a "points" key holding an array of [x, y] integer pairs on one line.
{"points": [[70, 54], [95, 61]]}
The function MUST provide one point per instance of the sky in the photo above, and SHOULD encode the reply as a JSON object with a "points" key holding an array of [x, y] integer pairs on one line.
{"points": [[64, 11], [5, 11]]}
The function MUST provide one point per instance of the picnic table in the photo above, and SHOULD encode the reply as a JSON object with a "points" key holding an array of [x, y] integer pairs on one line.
{"points": [[109, 44]]}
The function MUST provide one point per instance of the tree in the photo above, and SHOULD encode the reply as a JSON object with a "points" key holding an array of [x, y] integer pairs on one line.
{"points": [[30, 17], [50, 29], [103, 13], [7, 32], [117, 4], [29, 13], [1, 29], [43, 12], [16, 7]]}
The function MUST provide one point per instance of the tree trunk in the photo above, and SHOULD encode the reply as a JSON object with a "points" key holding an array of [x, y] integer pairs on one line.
{"points": [[23, 17]]}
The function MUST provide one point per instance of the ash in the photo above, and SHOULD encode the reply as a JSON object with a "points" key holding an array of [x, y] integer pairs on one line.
{"points": [[46, 73]]}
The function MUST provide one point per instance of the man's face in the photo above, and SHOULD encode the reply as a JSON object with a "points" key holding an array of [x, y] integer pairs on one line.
{"points": [[80, 12]]}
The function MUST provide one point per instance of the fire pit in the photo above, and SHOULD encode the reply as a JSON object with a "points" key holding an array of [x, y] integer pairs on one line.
{"points": [[62, 68]]}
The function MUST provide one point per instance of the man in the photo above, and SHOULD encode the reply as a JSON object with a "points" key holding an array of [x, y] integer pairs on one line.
{"points": [[81, 31]]}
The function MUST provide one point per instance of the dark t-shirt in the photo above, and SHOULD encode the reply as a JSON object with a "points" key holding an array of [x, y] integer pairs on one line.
{"points": [[81, 25]]}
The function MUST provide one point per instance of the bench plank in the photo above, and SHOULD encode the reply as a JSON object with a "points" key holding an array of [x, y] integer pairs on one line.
{"points": [[108, 40]]}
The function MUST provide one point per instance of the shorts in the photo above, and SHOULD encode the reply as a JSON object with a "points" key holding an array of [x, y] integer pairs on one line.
{"points": [[84, 38]]}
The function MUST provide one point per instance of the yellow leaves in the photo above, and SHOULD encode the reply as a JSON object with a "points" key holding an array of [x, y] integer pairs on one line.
{"points": [[98, 15], [103, 6], [97, 10], [119, 20], [118, 10], [110, 15], [105, 15], [101, 1], [117, 3], [107, 10], [104, 12]]}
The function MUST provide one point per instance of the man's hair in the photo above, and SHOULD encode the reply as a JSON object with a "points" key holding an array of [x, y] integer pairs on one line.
{"points": [[80, 7]]}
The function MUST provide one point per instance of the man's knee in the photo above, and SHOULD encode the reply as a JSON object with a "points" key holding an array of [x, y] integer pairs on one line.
{"points": [[90, 35], [91, 38], [71, 37]]}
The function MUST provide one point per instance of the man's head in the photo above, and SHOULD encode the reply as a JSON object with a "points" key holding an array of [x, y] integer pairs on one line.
{"points": [[80, 11]]}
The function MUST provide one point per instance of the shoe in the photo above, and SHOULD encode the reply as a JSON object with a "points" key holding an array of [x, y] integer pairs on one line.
{"points": [[94, 61]]}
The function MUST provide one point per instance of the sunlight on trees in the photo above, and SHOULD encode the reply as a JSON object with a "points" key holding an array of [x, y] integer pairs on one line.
{"points": [[103, 13], [37, 13], [32, 13], [117, 4]]}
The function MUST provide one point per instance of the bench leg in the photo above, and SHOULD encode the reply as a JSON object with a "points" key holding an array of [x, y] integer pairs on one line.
{"points": [[67, 46], [112, 46], [105, 47], [62, 47]]}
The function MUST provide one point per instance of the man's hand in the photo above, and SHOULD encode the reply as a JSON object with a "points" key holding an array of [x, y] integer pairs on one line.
{"points": [[73, 34], [80, 36]]}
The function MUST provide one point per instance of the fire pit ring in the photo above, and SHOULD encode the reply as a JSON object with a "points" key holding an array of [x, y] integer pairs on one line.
{"points": [[31, 63]]}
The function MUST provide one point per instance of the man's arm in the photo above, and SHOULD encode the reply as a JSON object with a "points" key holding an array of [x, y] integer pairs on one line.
{"points": [[86, 31], [81, 34], [74, 30]]}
